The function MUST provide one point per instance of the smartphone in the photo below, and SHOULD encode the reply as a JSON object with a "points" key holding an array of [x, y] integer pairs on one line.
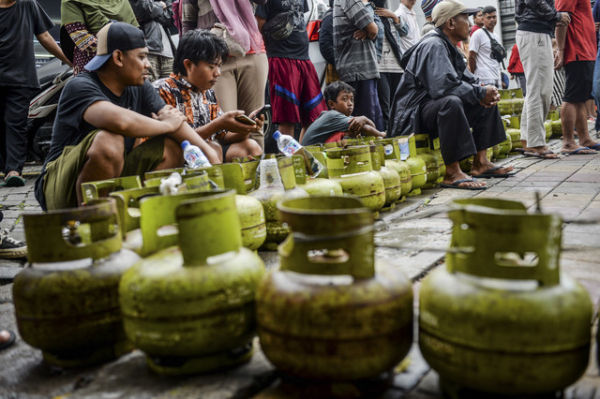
{"points": [[245, 119], [263, 111]]}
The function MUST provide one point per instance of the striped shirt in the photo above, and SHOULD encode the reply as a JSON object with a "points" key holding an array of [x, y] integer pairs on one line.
{"points": [[355, 60]]}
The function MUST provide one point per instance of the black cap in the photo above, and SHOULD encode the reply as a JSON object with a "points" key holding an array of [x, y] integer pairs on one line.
{"points": [[115, 36]]}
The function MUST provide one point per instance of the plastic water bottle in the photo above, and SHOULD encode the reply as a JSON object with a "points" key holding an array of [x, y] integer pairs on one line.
{"points": [[193, 155], [289, 146]]}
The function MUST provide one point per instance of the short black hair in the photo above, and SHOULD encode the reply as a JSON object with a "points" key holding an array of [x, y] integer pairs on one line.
{"points": [[334, 89], [488, 9], [199, 45]]}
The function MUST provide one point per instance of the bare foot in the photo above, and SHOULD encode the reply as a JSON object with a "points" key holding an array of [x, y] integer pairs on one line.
{"points": [[590, 144]]}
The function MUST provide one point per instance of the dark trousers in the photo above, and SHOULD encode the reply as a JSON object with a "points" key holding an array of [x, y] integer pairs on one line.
{"points": [[386, 88], [14, 107], [451, 120], [366, 101]]}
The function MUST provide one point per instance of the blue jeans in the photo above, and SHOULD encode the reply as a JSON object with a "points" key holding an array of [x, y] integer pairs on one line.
{"points": [[596, 89]]}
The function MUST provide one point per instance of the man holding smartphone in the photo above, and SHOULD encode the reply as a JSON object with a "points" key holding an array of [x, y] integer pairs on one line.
{"points": [[197, 67]]}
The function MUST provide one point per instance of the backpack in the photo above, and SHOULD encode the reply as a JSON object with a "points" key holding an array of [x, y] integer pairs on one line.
{"points": [[498, 52]]}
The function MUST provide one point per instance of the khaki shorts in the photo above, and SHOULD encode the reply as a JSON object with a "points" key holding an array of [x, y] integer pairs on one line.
{"points": [[61, 174]]}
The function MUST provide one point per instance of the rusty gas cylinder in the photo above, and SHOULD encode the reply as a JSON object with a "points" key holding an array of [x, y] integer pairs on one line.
{"points": [[190, 307], [66, 300], [331, 312], [351, 167], [500, 317]]}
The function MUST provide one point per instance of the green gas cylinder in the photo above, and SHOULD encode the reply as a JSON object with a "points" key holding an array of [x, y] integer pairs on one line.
{"points": [[157, 224], [504, 147], [314, 186], [270, 191], [515, 138], [391, 178], [500, 317], [252, 221], [351, 167], [418, 168], [66, 299], [505, 105], [190, 307], [548, 129], [390, 153], [95, 189], [249, 167], [554, 117], [432, 162], [331, 312]]}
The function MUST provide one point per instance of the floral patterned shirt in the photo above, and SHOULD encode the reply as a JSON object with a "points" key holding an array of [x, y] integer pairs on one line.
{"points": [[199, 108]]}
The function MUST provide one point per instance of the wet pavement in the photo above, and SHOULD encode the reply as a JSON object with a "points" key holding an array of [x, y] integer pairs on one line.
{"points": [[569, 186]]}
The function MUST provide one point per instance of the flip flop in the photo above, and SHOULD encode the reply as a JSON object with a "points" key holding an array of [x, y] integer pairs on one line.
{"points": [[579, 151], [456, 184], [10, 341], [488, 174], [14, 181], [594, 147], [542, 155]]}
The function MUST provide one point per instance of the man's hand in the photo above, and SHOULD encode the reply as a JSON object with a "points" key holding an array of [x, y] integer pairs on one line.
{"points": [[559, 59], [357, 123], [384, 12], [170, 117], [564, 18], [491, 96], [359, 35], [228, 122], [260, 121]]}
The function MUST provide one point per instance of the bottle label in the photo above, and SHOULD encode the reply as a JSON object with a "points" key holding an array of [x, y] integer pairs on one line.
{"points": [[404, 150], [290, 148]]}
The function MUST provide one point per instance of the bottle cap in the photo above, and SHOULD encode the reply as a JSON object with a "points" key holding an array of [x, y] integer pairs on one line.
{"points": [[276, 134], [184, 144]]}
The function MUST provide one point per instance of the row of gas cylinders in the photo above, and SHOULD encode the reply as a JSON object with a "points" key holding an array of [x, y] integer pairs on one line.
{"points": [[381, 173], [499, 316], [510, 107]]}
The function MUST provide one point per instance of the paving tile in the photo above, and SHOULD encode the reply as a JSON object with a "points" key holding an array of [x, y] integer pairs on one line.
{"points": [[585, 178]]}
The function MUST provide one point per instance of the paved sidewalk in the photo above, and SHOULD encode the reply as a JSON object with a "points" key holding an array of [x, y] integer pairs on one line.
{"points": [[569, 186]]}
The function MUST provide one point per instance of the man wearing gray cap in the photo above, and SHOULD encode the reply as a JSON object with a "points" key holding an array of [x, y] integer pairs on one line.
{"points": [[438, 95], [102, 117]]}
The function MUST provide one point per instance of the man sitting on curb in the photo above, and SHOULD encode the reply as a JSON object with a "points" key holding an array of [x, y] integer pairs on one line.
{"points": [[102, 113], [439, 95], [197, 67]]}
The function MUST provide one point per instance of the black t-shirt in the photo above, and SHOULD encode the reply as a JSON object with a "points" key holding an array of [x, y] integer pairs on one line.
{"points": [[295, 46], [84, 90], [18, 24]]}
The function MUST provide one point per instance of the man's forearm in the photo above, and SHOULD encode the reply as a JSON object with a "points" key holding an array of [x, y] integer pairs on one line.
{"points": [[561, 35], [49, 44], [472, 61], [185, 132]]}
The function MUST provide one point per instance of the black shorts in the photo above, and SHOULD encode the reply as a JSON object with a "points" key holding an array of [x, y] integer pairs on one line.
{"points": [[579, 81]]}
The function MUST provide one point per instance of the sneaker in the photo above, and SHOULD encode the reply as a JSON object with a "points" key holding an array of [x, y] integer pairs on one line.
{"points": [[11, 248]]}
